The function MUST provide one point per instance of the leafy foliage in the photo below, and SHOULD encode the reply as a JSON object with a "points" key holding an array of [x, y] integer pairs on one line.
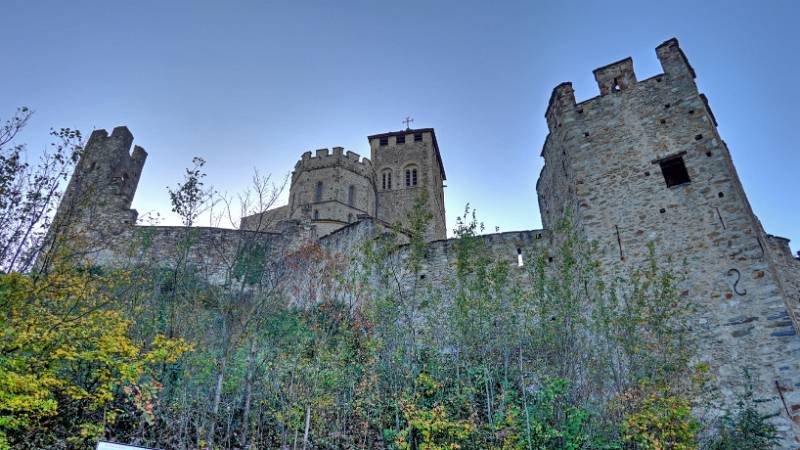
{"points": [[356, 351], [744, 426], [29, 193], [69, 364]]}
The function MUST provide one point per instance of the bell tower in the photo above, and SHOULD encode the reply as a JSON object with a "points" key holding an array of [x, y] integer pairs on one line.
{"points": [[408, 165]]}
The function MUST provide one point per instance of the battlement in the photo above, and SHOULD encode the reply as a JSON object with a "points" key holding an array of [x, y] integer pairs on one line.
{"points": [[323, 158], [117, 146], [615, 77], [108, 165], [408, 136], [618, 78]]}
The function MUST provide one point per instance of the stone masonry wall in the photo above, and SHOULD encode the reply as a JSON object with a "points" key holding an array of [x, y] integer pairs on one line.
{"points": [[607, 153], [614, 166]]}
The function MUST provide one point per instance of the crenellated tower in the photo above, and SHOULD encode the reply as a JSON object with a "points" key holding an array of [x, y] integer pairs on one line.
{"points": [[643, 163], [97, 200], [331, 189]]}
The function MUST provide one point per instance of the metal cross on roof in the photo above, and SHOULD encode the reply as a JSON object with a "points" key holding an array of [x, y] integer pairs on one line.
{"points": [[408, 121]]}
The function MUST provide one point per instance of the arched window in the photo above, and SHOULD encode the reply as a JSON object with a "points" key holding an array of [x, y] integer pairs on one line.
{"points": [[386, 179], [411, 176], [318, 192], [351, 195]]}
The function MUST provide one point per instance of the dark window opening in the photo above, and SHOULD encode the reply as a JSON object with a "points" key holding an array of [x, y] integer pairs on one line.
{"points": [[401, 139], [386, 180], [647, 174], [351, 195], [417, 137], [586, 134], [422, 277], [411, 177], [318, 192], [691, 111], [662, 210], [674, 171], [708, 154], [663, 121], [316, 215], [720, 195], [698, 137], [667, 106], [384, 140], [615, 86]]}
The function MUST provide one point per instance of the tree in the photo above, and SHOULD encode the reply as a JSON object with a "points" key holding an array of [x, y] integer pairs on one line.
{"points": [[29, 193], [68, 362]]}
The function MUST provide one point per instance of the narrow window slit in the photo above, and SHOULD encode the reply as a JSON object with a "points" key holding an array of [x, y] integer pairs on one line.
{"points": [[520, 263]]}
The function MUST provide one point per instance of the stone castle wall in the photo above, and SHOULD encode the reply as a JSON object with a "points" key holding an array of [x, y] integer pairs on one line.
{"points": [[608, 161], [607, 164]]}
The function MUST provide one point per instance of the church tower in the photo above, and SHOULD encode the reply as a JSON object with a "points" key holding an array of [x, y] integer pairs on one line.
{"points": [[407, 165]]}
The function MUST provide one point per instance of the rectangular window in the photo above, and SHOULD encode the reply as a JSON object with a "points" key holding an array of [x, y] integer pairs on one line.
{"points": [[318, 192], [417, 137], [401, 139], [411, 177], [384, 140], [674, 171]]}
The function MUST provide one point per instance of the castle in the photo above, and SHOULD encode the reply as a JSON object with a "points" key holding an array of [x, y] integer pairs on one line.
{"points": [[333, 190], [640, 163]]}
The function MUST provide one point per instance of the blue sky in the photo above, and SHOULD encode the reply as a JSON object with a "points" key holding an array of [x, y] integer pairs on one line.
{"points": [[254, 84]]}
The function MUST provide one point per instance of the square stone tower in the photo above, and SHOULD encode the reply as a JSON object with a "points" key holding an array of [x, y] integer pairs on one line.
{"points": [[407, 164], [643, 162]]}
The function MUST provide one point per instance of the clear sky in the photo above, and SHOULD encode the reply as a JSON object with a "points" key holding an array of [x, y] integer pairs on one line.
{"points": [[253, 84]]}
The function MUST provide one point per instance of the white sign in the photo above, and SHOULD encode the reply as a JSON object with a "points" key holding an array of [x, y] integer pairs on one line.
{"points": [[114, 446]]}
